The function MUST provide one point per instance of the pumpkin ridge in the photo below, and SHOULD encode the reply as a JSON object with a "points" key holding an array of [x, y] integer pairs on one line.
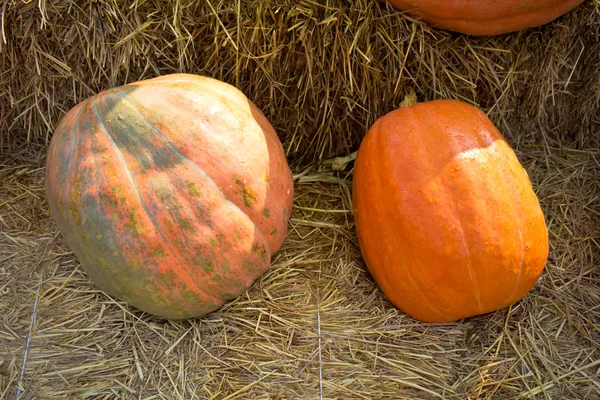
{"points": [[212, 90], [75, 139], [408, 271], [135, 290], [142, 202], [68, 217], [192, 164], [522, 247], [76, 134], [474, 282], [189, 82], [476, 289]]}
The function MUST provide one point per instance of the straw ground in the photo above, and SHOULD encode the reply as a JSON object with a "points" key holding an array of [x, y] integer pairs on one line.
{"points": [[315, 324]]}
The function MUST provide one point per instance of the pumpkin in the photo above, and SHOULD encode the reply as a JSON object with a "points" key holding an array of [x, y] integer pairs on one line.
{"points": [[447, 221], [172, 192], [486, 17]]}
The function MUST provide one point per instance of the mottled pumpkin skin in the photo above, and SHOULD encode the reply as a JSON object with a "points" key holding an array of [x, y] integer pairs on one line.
{"points": [[486, 17], [172, 192], [447, 220]]}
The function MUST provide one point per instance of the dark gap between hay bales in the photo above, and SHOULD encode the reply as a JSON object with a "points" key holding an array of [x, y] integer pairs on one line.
{"points": [[322, 72]]}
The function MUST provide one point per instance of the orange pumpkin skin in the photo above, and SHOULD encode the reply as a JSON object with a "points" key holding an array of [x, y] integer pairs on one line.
{"points": [[486, 17], [172, 192], [446, 217]]}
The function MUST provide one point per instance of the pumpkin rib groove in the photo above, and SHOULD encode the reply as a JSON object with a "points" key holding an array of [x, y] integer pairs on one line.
{"points": [[192, 164], [142, 202]]}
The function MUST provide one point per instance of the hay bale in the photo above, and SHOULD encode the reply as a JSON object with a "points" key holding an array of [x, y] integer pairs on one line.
{"points": [[321, 73], [315, 325]]}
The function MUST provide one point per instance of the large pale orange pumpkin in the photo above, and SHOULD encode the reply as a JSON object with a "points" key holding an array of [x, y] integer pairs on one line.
{"points": [[447, 220], [172, 192], [486, 17]]}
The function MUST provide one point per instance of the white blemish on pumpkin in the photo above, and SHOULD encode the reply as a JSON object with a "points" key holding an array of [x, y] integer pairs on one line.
{"points": [[481, 155]]}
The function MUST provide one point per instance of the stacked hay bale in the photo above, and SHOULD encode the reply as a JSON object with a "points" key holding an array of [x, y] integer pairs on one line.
{"points": [[321, 73]]}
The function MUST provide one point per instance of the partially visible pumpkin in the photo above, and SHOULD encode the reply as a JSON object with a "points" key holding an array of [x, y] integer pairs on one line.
{"points": [[172, 192], [486, 17], [447, 220]]}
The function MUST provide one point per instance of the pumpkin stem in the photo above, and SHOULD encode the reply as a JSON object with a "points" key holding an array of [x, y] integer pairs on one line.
{"points": [[409, 100], [340, 163]]}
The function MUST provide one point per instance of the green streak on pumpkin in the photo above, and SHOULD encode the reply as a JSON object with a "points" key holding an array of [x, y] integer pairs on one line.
{"points": [[75, 201], [237, 235], [208, 266], [61, 205], [184, 224], [213, 242], [267, 212], [274, 232], [169, 277], [193, 189], [76, 193], [158, 252], [112, 201], [169, 226], [248, 196], [259, 248], [225, 266], [131, 223], [178, 244], [120, 195], [249, 265], [135, 263], [161, 193]]}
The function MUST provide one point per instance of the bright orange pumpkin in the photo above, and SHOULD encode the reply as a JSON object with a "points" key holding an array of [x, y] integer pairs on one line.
{"points": [[447, 220], [486, 17], [172, 192]]}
